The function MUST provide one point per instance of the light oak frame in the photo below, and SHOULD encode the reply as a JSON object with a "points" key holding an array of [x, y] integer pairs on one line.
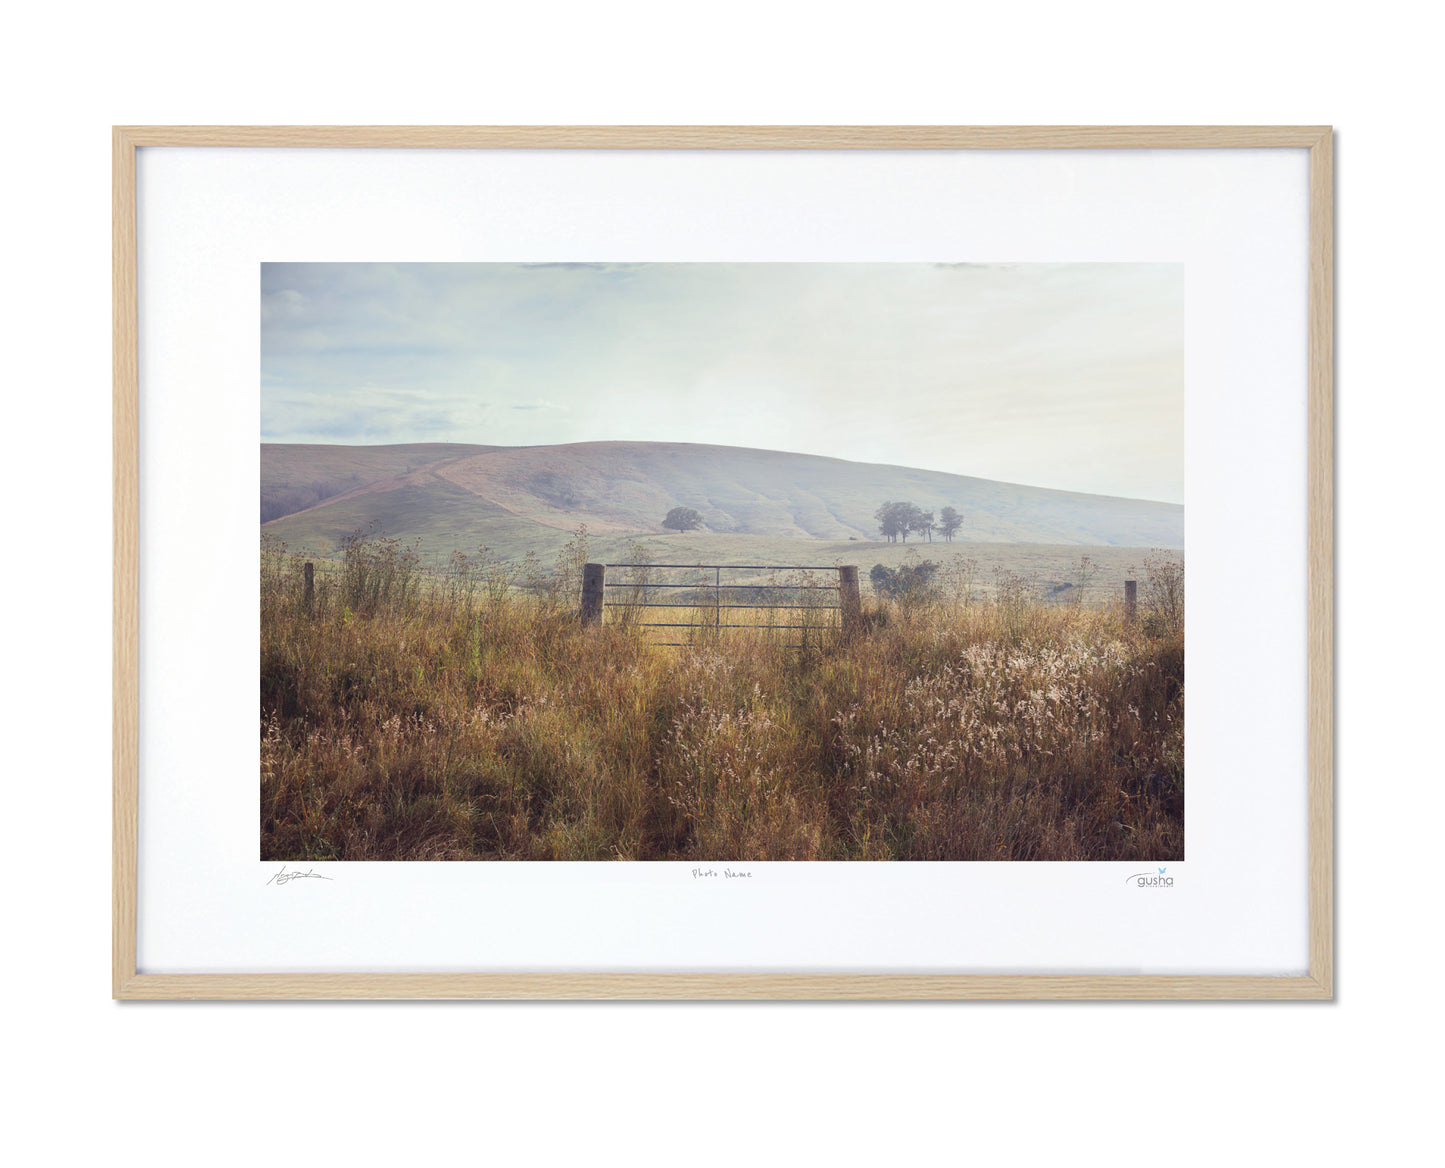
{"points": [[1318, 984]]}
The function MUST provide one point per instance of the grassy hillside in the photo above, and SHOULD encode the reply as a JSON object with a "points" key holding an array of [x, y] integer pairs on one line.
{"points": [[520, 499], [296, 476]]}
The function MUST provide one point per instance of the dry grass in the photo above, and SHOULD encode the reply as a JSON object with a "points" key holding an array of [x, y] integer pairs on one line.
{"points": [[412, 717]]}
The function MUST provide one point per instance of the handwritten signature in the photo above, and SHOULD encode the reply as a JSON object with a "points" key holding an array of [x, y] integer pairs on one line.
{"points": [[284, 877]]}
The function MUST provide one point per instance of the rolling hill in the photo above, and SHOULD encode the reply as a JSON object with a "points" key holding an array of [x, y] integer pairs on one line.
{"points": [[297, 476], [515, 499]]}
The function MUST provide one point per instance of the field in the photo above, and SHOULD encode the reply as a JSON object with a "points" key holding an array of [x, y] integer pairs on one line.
{"points": [[463, 712]]}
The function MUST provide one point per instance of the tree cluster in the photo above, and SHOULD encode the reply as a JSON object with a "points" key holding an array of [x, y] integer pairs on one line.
{"points": [[900, 520]]}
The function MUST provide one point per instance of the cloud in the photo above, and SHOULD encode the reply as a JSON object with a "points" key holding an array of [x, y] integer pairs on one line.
{"points": [[285, 304]]}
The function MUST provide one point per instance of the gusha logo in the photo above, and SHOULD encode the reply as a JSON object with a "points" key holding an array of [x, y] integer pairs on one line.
{"points": [[1150, 880]]}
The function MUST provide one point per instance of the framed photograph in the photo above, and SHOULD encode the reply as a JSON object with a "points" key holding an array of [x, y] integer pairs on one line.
{"points": [[723, 562]]}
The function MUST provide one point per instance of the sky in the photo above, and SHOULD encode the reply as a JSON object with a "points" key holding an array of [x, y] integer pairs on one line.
{"points": [[1055, 375]]}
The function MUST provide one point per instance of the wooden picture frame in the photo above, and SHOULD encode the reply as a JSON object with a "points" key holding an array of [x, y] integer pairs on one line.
{"points": [[129, 983]]}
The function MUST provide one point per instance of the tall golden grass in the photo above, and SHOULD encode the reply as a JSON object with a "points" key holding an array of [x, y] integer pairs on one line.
{"points": [[408, 715]]}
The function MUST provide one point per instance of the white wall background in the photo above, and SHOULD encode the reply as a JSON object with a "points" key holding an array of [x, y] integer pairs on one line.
{"points": [[372, 1083]]}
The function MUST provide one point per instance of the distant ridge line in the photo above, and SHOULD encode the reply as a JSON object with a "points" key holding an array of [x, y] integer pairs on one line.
{"points": [[484, 448], [512, 499]]}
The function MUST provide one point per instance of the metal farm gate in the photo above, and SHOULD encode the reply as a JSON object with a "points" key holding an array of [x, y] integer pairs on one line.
{"points": [[713, 603]]}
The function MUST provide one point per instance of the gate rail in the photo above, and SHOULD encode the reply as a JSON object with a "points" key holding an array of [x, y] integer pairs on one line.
{"points": [[595, 585]]}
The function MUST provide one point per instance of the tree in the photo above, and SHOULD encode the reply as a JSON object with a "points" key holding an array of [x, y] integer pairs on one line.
{"points": [[909, 517], [887, 517], [897, 519], [949, 521], [923, 524], [682, 519]]}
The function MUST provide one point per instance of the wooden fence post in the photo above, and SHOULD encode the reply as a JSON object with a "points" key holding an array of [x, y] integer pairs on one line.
{"points": [[308, 596], [593, 582], [1131, 600], [849, 599]]}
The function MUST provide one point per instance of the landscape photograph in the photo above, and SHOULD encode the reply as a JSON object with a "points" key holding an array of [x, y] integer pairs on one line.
{"points": [[721, 562]]}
